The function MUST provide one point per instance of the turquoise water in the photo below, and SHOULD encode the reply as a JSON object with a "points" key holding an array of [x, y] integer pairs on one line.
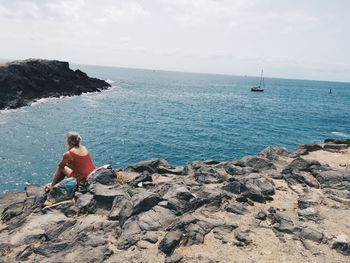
{"points": [[180, 117]]}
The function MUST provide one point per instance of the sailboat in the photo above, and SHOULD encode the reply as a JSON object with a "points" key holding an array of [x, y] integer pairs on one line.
{"points": [[261, 86]]}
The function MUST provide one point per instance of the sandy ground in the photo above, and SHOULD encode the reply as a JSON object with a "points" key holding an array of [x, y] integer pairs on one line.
{"points": [[339, 160]]}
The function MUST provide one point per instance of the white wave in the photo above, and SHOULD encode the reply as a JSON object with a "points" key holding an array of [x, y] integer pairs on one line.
{"points": [[341, 134], [109, 81]]}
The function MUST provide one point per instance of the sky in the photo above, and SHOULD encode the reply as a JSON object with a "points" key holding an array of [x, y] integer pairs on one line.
{"points": [[287, 38]]}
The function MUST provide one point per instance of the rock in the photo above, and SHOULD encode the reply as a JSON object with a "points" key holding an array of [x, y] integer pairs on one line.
{"points": [[342, 244], [274, 174], [175, 258], [178, 197], [335, 147], [85, 203], [104, 177], [170, 242], [309, 213], [254, 193], [338, 141], [311, 234], [142, 178], [233, 187], [150, 237], [236, 209], [305, 149], [122, 208], [131, 234], [22, 82], [208, 175], [308, 200], [243, 238], [224, 232], [177, 170], [144, 201], [273, 153], [262, 215], [330, 178], [151, 166], [282, 223], [299, 164], [155, 219], [233, 169], [257, 163], [105, 193]]}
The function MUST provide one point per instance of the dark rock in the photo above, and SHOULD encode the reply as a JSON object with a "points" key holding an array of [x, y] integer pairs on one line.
{"points": [[150, 237], [311, 234], [145, 176], [178, 197], [22, 82], [275, 174], [338, 141], [174, 258], [236, 209], [224, 232], [104, 177], [12, 210], [233, 169], [262, 215], [131, 234], [309, 214], [335, 147], [170, 242], [150, 166], [122, 208], [299, 164], [144, 201], [330, 178], [273, 153], [243, 238], [155, 219], [105, 193], [209, 175], [305, 149], [342, 244], [164, 170], [282, 223], [254, 193], [85, 203], [308, 200], [233, 187], [258, 163]]}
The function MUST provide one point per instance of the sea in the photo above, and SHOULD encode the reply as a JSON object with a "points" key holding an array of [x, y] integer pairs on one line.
{"points": [[180, 117]]}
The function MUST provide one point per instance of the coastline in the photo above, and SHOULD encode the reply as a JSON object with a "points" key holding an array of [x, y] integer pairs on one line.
{"points": [[275, 206], [48, 79]]}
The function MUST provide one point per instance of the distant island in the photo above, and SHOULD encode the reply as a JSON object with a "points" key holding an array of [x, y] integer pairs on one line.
{"points": [[24, 81]]}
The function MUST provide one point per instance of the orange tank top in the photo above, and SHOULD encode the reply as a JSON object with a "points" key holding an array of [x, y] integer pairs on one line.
{"points": [[82, 166]]}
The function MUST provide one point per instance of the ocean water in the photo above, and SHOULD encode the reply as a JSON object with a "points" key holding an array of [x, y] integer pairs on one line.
{"points": [[180, 117]]}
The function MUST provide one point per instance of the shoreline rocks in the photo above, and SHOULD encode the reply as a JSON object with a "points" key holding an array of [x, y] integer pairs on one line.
{"points": [[258, 204], [24, 81]]}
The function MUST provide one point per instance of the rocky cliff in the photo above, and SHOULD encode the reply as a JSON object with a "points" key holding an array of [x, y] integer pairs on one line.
{"points": [[22, 82], [278, 206]]}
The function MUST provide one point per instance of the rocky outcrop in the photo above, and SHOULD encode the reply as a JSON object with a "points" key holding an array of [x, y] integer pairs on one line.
{"points": [[22, 82], [290, 207]]}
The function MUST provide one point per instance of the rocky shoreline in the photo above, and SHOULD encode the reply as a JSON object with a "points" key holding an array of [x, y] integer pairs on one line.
{"points": [[24, 81], [277, 206]]}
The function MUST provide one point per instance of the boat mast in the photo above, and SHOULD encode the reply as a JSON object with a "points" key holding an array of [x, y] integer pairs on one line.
{"points": [[261, 78]]}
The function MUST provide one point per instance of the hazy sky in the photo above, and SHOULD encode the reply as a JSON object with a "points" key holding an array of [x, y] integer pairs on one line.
{"points": [[307, 39]]}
